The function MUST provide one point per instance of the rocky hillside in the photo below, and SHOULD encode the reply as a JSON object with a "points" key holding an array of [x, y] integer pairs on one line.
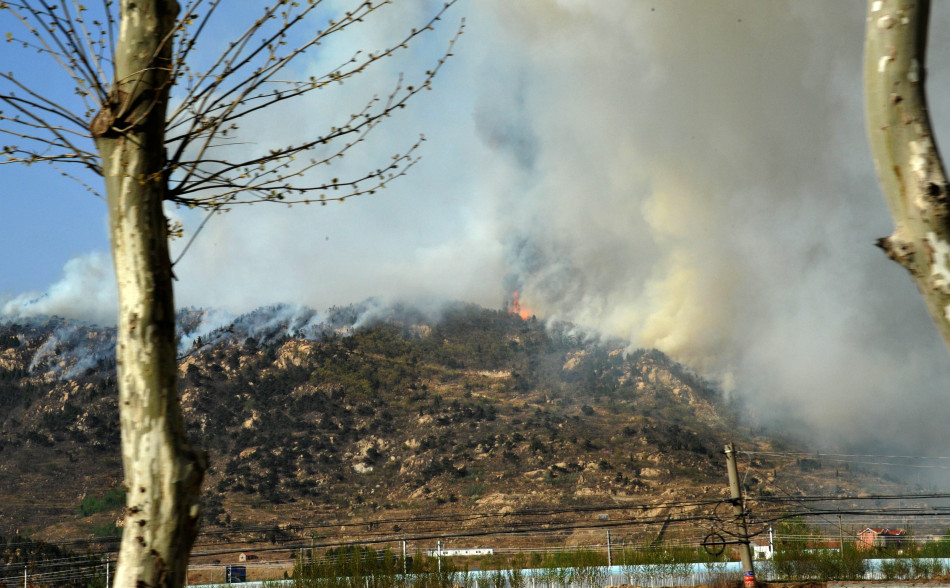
{"points": [[347, 416]]}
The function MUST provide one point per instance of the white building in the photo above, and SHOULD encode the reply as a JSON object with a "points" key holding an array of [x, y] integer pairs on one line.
{"points": [[765, 550], [453, 552]]}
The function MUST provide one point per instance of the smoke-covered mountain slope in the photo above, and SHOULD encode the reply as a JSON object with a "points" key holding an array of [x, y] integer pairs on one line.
{"points": [[358, 414]]}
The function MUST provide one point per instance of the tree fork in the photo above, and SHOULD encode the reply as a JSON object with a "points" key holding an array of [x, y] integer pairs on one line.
{"points": [[163, 473], [905, 153], [131, 132]]}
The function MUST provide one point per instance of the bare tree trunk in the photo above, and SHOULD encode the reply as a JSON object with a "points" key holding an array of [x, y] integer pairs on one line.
{"points": [[905, 153], [162, 473]]}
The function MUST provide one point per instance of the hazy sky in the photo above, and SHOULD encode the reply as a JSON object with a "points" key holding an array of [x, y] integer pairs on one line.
{"points": [[687, 175]]}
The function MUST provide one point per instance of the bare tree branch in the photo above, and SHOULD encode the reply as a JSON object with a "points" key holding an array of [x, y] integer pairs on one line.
{"points": [[40, 103], [123, 81], [214, 103], [359, 124], [56, 32]]}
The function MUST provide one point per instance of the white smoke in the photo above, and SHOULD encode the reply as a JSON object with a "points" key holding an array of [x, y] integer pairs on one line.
{"points": [[199, 328], [71, 349], [688, 175], [85, 291]]}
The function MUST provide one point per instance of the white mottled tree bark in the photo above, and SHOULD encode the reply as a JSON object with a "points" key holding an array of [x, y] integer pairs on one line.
{"points": [[162, 473], [905, 153], [131, 129]]}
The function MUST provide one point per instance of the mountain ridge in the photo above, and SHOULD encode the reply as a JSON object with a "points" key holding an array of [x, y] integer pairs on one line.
{"points": [[367, 412]]}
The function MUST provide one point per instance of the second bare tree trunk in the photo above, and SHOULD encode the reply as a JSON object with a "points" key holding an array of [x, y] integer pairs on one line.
{"points": [[905, 153]]}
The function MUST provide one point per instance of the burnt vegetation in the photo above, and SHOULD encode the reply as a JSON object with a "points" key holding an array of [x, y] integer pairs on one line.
{"points": [[404, 412]]}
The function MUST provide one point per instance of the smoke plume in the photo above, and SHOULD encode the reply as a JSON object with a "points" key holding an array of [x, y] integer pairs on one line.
{"points": [[86, 291], [687, 175]]}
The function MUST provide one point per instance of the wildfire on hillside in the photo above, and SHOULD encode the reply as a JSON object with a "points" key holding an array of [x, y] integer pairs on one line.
{"points": [[515, 307]]}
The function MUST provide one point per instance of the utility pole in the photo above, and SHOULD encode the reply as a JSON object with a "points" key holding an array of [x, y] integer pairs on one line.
{"points": [[404, 570], [609, 561], [840, 537], [738, 510], [771, 543]]}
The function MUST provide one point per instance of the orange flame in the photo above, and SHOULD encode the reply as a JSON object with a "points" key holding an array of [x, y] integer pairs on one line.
{"points": [[524, 312]]}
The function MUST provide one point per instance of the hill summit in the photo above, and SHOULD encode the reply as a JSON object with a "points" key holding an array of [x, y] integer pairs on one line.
{"points": [[361, 414]]}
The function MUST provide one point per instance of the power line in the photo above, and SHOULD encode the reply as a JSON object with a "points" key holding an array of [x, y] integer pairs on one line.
{"points": [[429, 518], [526, 523], [849, 458], [820, 454]]}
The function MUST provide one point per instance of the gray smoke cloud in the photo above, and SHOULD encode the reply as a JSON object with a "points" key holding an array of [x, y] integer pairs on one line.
{"points": [[86, 291], [687, 175]]}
